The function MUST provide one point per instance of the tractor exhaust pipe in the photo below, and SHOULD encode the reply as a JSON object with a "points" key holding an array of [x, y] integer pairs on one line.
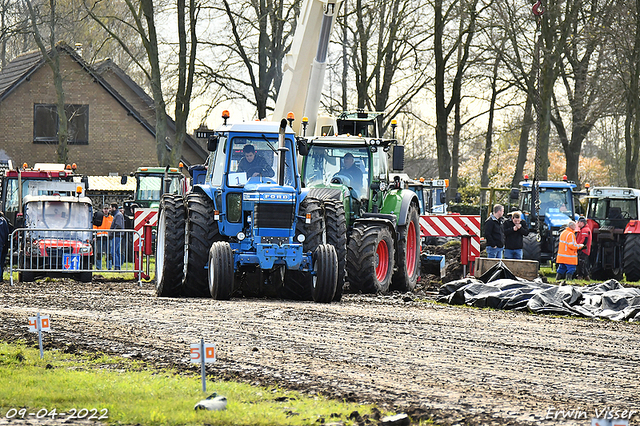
{"points": [[282, 149]]}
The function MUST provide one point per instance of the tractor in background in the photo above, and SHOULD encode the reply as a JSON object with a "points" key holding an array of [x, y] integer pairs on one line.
{"points": [[53, 242], [547, 207], [15, 183], [141, 213], [612, 215], [247, 230]]}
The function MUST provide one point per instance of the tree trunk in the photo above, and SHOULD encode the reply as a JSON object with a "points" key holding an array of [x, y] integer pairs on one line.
{"points": [[442, 115], [484, 179], [632, 121], [523, 145], [186, 70], [455, 154]]}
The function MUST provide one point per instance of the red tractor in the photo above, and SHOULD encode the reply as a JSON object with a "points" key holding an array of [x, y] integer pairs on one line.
{"points": [[57, 235], [612, 215]]}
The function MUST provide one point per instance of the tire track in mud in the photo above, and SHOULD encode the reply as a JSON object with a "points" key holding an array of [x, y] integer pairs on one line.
{"points": [[455, 364]]}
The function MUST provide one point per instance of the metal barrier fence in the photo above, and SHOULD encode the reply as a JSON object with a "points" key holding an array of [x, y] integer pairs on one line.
{"points": [[76, 253]]}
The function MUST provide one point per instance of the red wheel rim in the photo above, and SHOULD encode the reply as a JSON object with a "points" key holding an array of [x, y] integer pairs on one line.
{"points": [[411, 249], [382, 255]]}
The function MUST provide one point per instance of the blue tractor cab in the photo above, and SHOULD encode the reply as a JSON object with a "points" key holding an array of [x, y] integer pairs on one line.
{"points": [[249, 228]]}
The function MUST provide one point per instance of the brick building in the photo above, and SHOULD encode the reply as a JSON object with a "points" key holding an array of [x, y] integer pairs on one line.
{"points": [[111, 118]]}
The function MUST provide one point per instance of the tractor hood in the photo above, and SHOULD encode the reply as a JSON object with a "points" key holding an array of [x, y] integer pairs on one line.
{"points": [[556, 219]]}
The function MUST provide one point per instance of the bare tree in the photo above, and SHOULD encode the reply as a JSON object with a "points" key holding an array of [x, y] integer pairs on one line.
{"points": [[51, 56], [462, 15], [249, 66], [388, 49], [142, 18], [624, 34], [584, 72]]}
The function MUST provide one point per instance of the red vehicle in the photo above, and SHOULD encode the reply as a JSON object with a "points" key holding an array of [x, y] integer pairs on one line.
{"points": [[57, 238], [15, 185]]}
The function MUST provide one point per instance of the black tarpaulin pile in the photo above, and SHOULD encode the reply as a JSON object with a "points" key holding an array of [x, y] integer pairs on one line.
{"points": [[504, 291]]}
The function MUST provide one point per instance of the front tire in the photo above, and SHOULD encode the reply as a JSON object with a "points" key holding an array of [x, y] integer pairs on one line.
{"points": [[170, 246], [325, 266], [201, 232], [220, 272], [298, 284], [370, 258], [632, 257], [336, 225], [408, 267]]}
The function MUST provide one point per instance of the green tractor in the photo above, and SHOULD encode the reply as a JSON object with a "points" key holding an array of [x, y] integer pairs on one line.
{"points": [[379, 244]]}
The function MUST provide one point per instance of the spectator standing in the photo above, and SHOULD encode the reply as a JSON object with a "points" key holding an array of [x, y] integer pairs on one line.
{"points": [[514, 231], [102, 238], [584, 237], [567, 258], [4, 243], [116, 237], [494, 233]]}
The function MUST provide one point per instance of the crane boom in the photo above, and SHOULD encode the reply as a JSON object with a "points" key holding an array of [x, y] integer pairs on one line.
{"points": [[303, 76]]}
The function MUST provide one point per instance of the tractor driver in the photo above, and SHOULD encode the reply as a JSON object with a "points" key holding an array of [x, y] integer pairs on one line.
{"points": [[253, 164], [351, 170]]}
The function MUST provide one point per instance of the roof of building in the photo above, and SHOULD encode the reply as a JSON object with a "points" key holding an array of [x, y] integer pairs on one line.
{"points": [[23, 66]]}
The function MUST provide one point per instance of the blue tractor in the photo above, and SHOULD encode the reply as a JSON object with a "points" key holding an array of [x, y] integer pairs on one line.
{"points": [[547, 207], [249, 228]]}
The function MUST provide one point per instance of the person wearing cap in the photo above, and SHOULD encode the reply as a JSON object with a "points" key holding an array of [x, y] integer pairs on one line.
{"points": [[253, 164], [514, 232], [567, 258], [584, 237]]}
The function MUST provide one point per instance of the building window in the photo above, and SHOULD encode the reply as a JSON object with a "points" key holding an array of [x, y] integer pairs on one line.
{"points": [[45, 124]]}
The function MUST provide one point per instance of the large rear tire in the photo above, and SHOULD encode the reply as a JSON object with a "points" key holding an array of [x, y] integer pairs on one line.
{"points": [[531, 247], [170, 246], [298, 284], [632, 257], [201, 232], [336, 223], [408, 267], [370, 258], [220, 272], [325, 266]]}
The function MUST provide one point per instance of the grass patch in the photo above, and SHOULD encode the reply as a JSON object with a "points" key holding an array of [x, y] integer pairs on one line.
{"points": [[132, 394]]}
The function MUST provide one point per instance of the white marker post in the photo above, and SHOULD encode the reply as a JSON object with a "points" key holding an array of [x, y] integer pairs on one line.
{"points": [[38, 324], [203, 353]]}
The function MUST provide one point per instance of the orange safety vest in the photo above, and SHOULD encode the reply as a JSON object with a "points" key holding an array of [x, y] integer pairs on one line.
{"points": [[106, 224], [567, 248]]}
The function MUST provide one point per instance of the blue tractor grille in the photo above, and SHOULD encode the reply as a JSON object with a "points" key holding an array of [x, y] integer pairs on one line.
{"points": [[273, 215]]}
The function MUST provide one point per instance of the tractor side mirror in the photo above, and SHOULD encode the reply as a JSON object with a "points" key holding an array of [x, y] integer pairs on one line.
{"points": [[443, 197], [303, 148], [123, 180], [398, 157], [514, 194], [212, 143]]}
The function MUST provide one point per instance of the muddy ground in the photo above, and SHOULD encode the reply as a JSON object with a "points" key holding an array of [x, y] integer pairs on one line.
{"points": [[453, 364]]}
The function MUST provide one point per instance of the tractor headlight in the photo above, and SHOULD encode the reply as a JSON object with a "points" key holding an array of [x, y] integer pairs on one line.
{"points": [[301, 238], [85, 249], [241, 236]]}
